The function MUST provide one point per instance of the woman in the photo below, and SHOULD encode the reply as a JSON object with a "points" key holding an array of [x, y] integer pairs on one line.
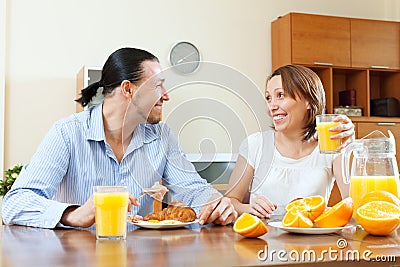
{"points": [[284, 163]]}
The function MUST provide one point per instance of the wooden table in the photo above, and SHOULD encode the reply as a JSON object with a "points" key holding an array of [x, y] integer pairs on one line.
{"points": [[190, 246]]}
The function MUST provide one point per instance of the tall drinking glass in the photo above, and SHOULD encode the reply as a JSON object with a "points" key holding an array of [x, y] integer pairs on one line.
{"points": [[326, 144], [111, 203]]}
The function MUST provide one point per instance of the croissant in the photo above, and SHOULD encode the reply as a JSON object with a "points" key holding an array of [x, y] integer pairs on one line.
{"points": [[173, 212]]}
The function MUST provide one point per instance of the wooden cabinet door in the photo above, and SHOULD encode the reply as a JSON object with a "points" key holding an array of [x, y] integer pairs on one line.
{"points": [[320, 39], [375, 44], [364, 128]]}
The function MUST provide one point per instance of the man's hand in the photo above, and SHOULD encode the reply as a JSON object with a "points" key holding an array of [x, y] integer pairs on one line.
{"points": [[132, 201], [219, 211], [79, 216], [84, 216]]}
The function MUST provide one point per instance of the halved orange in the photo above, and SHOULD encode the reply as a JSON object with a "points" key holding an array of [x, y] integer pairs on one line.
{"points": [[380, 195], [311, 207], [337, 216], [379, 217], [249, 226], [295, 218]]}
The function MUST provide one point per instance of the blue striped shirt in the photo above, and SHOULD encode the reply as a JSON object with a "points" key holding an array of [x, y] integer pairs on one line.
{"points": [[75, 156]]}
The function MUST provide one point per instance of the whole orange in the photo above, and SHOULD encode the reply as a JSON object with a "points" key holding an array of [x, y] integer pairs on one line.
{"points": [[380, 195]]}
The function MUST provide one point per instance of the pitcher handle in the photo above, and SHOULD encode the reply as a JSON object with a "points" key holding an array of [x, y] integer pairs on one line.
{"points": [[392, 141], [346, 162]]}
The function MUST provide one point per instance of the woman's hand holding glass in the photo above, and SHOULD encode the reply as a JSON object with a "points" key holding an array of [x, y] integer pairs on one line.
{"points": [[345, 129]]}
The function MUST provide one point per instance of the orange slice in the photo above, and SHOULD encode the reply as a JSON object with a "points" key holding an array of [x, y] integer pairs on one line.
{"points": [[380, 195], [295, 218], [250, 226], [337, 216], [311, 207], [379, 217]]}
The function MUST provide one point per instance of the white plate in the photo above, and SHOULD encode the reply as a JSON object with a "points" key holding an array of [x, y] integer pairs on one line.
{"points": [[309, 231], [162, 224]]}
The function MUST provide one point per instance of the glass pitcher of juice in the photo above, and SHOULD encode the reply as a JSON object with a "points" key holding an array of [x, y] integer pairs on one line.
{"points": [[374, 166]]}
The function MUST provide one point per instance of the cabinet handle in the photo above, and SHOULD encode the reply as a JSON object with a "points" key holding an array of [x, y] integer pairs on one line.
{"points": [[386, 123], [323, 63], [379, 67]]}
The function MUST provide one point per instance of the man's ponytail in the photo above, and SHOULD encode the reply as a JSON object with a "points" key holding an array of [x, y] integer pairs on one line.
{"points": [[88, 93]]}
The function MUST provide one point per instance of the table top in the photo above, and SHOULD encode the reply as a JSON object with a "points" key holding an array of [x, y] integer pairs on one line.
{"points": [[194, 245]]}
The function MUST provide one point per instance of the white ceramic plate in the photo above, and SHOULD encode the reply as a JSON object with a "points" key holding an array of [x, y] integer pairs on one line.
{"points": [[309, 231], [168, 224]]}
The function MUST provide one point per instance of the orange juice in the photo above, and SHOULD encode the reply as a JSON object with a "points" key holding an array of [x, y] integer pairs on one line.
{"points": [[326, 145], [361, 185], [111, 214]]}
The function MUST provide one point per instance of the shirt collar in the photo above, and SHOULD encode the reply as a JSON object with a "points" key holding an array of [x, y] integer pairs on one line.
{"points": [[95, 125], [144, 133]]}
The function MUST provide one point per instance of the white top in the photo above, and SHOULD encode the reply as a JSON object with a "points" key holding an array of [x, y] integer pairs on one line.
{"points": [[283, 179]]}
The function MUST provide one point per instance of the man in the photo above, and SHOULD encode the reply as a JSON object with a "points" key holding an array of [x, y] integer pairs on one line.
{"points": [[120, 142]]}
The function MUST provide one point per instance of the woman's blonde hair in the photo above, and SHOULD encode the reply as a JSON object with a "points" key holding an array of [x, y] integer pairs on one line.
{"points": [[301, 83]]}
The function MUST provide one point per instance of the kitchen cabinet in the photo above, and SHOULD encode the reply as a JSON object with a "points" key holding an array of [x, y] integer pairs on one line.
{"points": [[311, 39], [375, 44], [369, 63]]}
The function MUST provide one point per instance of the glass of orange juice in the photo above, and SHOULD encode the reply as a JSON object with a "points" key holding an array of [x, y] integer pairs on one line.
{"points": [[326, 144], [111, 203]]}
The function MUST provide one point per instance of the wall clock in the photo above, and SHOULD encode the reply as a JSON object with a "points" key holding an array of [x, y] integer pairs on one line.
{"points": [[184, 57]]}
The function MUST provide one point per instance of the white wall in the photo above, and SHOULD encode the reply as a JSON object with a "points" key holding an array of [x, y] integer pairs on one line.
{"points": [[48, 41], [2, 78]]}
